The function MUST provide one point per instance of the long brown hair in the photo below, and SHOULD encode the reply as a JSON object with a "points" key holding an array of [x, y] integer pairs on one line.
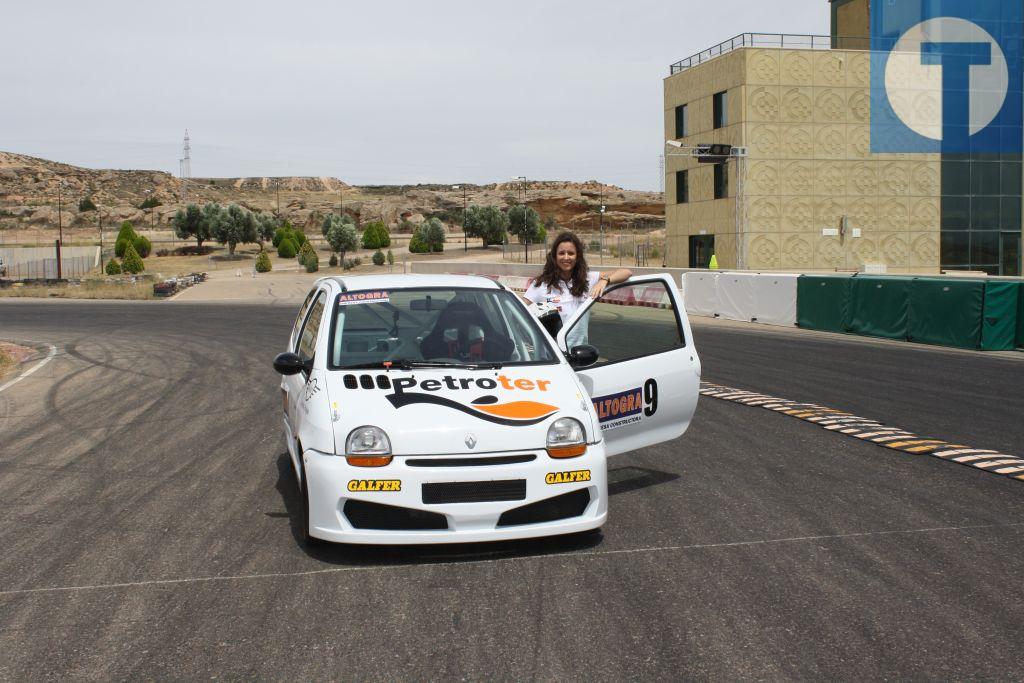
{"points": [[552, 274]]}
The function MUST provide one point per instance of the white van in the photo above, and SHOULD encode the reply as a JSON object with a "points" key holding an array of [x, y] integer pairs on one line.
{"points": [[436, 409]]}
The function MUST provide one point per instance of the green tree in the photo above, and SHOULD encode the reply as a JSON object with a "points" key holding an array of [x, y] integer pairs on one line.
{"points": [[334, 219], [189, 224], [266, 227], [142, 245], [343, 238], [376, 235], [416, 243], [300, 237], [213, 216], [237, 227], [263, 264], [127, 232], [113, 267], [150, 203], [432, 233], [287, 248], [86, 204], [132, 262], [486, 222], [391, 258], [524, 223], [378, 258]]}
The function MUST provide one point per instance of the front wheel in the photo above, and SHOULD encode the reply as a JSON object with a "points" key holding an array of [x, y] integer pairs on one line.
{"points": [[304, 537]]}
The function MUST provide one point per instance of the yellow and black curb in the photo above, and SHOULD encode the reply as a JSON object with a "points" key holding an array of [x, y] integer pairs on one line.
{"points": [[874, 431]]}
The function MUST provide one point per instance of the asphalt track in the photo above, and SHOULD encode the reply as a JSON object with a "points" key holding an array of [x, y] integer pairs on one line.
{"points": [[148, 531]]}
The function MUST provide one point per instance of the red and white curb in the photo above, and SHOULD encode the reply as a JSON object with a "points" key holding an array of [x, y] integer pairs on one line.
{"points": [[874, 431]]}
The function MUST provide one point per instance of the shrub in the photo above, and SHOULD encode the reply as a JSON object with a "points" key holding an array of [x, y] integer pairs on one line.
{"points": [[376, 235], [307, 255], [357, 261], [334, 261], [312, 265], [299, 236], [132, 262], [287, 248], [432, 233], [113, 267], [86, 204], [417, 245], [120, 246], [280, 234], [150, 203], [142, 245], [127, 231], [378, 258], [391, 258], [163, 252], [263, 264], [348, 264]]}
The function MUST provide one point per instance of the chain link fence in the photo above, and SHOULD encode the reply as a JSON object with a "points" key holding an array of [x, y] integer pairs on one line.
{"points": [[601, 248]]}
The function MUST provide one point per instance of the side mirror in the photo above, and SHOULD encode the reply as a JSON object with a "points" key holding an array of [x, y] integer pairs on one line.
{"points": [[289, 363], [582, 356]]}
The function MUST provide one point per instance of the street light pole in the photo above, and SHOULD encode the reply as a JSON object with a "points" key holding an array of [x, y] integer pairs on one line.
{"points": [[60, 229]]}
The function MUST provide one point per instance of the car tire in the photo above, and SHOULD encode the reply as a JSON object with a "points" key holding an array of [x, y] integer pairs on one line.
{"points": [[304, 537]]}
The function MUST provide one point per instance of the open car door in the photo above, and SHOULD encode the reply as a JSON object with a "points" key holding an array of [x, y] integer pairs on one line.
{"points": [[646, 380]]}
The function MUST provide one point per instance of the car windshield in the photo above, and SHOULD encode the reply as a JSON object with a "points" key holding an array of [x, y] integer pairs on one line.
{"points": [[435, 326]]}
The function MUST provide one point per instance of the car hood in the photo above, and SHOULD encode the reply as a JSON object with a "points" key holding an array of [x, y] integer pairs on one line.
{"points": [[441, 411]]}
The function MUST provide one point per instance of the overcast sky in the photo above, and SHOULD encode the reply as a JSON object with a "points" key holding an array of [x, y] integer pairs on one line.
{"points": [[404, 91]]}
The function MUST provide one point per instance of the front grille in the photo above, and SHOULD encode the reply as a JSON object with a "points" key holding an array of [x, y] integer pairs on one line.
{"points": [[470, 462], [567, 505], [364, 515], [474, 491]]}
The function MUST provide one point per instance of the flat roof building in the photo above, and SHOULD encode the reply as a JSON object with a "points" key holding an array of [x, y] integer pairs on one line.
{"points": [[804, 192]]}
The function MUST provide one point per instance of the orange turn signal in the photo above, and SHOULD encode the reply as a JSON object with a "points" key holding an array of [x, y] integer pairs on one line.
{"points": [[571, 451], [368, 460]]}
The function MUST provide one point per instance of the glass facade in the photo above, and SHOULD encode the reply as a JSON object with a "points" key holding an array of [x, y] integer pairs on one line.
{"points": [[720, 109], [981, 213]]}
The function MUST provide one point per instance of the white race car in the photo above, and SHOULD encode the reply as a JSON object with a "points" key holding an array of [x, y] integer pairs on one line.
{"points": [[436, 409]]}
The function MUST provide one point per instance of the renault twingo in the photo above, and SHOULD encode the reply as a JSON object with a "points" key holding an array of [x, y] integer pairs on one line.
{"points": [[436, 409]]}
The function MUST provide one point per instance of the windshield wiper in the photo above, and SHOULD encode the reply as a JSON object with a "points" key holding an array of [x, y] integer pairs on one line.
{"points": [[408, 364]]}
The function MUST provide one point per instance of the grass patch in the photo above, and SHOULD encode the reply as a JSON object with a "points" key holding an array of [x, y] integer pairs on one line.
{"points": [[86, 290], [6, 362]]}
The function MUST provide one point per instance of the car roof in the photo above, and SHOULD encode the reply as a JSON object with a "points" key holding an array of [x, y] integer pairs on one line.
{"points": [[400, 280]]}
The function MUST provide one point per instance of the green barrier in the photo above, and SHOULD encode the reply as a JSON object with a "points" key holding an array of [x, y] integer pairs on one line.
{"points": [[1020, 315], [946, 311], [823, 302], [1000, 321], [880, 306]]}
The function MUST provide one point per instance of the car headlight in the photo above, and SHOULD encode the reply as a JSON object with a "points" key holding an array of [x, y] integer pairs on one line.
{"points": [[566, 438], [368, 446]]}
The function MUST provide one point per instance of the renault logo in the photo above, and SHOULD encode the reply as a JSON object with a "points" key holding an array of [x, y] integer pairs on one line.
{"points": [[470, 441]]}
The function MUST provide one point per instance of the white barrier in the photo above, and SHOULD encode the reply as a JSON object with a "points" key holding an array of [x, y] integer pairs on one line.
{"points": [[768, 298], [735, 296], [701, 293], [775, 299]]}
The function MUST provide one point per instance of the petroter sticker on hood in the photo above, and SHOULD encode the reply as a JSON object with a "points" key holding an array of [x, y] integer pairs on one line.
{"points": [[486, 407], [478, 401], [627, 407]]}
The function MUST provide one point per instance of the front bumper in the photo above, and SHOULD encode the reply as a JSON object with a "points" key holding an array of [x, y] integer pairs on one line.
{"points": [[343, 499]]}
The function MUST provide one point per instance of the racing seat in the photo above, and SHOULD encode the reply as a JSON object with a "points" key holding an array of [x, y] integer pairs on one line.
{"points": [[452, 338]]}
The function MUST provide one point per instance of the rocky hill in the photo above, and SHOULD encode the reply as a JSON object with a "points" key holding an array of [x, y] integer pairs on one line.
{"points": [[29, 190]]}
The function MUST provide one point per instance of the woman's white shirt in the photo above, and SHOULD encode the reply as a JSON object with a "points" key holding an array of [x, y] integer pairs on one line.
{"points": [[567, 304]]}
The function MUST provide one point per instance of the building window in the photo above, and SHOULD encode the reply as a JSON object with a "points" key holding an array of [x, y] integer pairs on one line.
{"points": [[721, 181], [682, 187], [721, 109], [682, 121]]}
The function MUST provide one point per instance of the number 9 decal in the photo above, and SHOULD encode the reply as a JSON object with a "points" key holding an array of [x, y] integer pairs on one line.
{"points": [[650, 397]]}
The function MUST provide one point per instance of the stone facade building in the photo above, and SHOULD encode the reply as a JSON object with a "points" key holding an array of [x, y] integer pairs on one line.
{"points": [[810, 195]]}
